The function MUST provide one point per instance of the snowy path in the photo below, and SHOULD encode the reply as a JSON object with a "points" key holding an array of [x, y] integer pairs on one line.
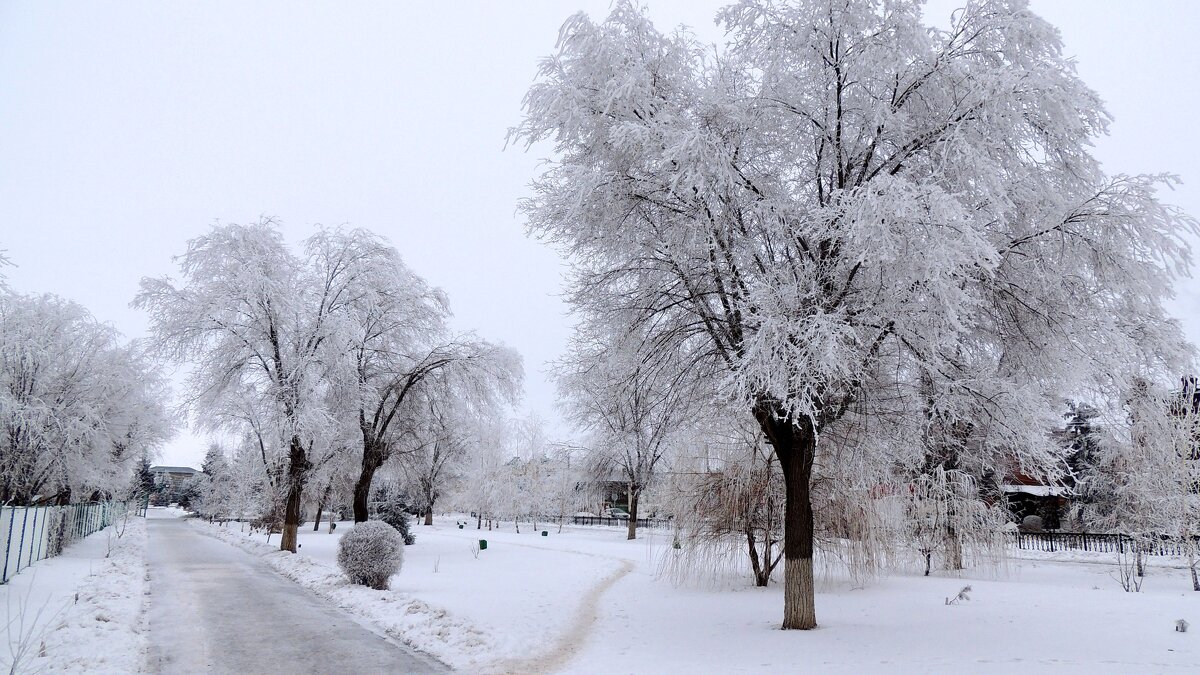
{"points": [[217, 609]]}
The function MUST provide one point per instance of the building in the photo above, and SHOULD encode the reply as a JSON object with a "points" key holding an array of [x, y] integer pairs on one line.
{"points": [[171, 477]]}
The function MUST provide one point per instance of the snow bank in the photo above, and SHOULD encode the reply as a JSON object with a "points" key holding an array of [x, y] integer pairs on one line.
{"points": [[82, 610]]}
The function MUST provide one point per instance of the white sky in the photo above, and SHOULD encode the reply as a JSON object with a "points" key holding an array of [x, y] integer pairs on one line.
{"points": [[128, 128]]}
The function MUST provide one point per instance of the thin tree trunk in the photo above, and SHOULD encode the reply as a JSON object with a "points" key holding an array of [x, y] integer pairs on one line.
{"points": [[631, 532], [795, 446], [321, 504], [754, 560]]}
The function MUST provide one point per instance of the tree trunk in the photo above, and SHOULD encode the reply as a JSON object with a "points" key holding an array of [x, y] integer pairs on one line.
{"points": [[754, 560], [374, 455], [795, 446], [429, 516], [631, 532], [954, 552], [298, 467], [321, 504]]}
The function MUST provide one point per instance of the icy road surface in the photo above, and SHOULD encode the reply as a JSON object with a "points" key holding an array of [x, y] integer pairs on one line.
{"points": [[217, 609]]}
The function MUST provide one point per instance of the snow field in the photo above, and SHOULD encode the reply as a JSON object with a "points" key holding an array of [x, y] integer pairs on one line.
{"points": [[587, 599], [90, 606]]}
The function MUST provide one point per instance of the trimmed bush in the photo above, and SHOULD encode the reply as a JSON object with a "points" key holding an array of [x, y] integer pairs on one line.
{"points": [[371, 553]]}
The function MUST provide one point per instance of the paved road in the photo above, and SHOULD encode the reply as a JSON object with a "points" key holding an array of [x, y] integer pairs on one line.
{"points": [[217, 609]]}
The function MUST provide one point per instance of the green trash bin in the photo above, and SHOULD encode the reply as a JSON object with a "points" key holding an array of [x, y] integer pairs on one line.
{"points": [[545, 533], [483, 544]]}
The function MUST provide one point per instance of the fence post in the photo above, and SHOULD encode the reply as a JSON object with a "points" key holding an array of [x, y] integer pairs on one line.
{"points": [[12, 515], [21, 545], [42, 538], [35, 515]]}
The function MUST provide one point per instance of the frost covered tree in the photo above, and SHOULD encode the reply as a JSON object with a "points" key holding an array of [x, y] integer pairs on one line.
{"points": [[396, 338], [1148, 479], [630, 408], [727, 499], [259, 326], [442, 441], [485, 488], [837, 199], [4, 262], [78, 409]]}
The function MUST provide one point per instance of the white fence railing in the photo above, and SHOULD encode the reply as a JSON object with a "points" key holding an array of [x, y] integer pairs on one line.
{"points": [[32, 533]]}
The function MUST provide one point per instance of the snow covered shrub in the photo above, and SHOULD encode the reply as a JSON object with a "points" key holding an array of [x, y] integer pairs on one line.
{"points": [[1032, 524], [371, 553], [395, 515]]}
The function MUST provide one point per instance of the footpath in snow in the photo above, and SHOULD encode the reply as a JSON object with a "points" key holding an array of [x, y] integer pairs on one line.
{"points": [[214, 608], [587, 600]]}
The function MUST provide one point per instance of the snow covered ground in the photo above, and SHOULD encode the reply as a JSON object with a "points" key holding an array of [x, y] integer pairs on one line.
{"points": [[81, 611], [587, 600]]}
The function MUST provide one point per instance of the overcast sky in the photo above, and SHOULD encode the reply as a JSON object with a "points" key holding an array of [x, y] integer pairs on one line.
{"points": [[128, 128]]}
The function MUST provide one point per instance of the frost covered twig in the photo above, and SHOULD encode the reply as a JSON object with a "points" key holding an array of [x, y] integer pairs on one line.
{"points": [[961, 597]]}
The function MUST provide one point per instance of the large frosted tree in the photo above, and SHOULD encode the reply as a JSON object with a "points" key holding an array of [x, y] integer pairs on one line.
{"points": [[260, 326], [398, 357], [843, 201], [78, 409]]}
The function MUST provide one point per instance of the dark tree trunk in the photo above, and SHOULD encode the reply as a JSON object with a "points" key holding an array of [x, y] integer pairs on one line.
{"points": [[754, 561], [321, 504], [794, 442], [429, 516], [631, 532], [298, 467], [373, 456]]}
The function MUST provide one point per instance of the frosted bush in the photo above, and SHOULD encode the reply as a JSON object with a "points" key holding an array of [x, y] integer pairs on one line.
{"points": [[371, 553]]}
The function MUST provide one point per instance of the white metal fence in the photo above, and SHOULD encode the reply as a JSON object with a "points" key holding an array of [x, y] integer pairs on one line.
{"points": [[33, 533]]}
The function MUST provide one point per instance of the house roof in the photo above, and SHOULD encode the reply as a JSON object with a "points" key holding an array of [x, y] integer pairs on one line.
{"points": [[1038, 490], [172, 469]]}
